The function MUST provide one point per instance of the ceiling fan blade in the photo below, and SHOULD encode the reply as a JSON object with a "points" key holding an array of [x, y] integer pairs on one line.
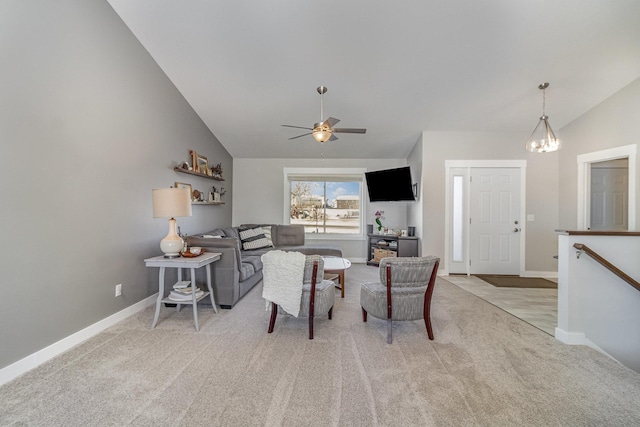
{"points": [[349, 130], [297, 127], [333, 137], [300, 136], [331, 121]]}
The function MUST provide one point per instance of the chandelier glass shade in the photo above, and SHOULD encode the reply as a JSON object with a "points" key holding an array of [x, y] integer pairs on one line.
{"points": [[543, 139]]}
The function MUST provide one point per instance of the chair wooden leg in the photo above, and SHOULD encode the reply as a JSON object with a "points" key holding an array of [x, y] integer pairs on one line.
{"points": [[426, 314], [427, 322], [312, 298], [364, 314], [389, 307], [330, 312], [427, 300], [274, 314]]}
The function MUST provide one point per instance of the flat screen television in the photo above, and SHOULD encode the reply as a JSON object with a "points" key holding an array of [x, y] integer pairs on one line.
{"points": [[390, 185]]}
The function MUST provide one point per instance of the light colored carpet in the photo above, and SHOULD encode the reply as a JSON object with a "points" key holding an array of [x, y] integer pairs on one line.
{"points": [[485, 368]]}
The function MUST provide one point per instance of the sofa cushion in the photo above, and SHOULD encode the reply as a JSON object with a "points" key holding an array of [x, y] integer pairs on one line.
{"points": [[231, 232], [288, 235], [315, 249], [253, 238], [217, 233], [254, 260], [246, 271]]}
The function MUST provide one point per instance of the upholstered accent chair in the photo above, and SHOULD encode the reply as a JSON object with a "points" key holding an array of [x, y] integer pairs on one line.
{"points": [[403, 293], [318, 295]]}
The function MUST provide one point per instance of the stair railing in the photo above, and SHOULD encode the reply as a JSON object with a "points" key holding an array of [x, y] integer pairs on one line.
{"points": [[615, 270]]}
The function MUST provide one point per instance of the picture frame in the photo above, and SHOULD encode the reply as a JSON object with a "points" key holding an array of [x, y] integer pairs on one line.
{"points": [[185, 185], [194, 157], [202, 164]]}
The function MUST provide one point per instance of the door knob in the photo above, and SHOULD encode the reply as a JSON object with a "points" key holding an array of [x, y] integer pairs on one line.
{"points": [[515, 230]]}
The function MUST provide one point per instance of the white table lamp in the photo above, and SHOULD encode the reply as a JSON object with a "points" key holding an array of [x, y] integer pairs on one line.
{"points": [[171, 203]]}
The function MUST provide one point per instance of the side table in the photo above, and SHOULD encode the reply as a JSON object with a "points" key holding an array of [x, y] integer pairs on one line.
{"points": [[204, 260], [336, 265]]}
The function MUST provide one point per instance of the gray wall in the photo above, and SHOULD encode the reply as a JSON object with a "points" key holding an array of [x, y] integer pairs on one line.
{"points": [[541, 188], [88, 126], [414, 210], [613, 123], [258, 188]]}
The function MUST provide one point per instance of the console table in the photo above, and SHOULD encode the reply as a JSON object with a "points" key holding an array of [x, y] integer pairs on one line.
{"points": [[401, 246], [204, 260]]}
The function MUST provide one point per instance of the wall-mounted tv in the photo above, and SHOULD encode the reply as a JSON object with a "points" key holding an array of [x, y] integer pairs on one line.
{"points": [[390, 185]]}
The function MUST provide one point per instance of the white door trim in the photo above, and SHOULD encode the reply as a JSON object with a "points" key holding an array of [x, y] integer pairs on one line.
{"points": [[584, 181], [448, 165]]}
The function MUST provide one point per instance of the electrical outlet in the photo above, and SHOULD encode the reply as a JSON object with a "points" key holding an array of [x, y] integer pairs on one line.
{"points": [[119, 289]]}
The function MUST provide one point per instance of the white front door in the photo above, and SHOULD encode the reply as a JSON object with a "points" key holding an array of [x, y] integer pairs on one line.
{"points": [[495, 222]]}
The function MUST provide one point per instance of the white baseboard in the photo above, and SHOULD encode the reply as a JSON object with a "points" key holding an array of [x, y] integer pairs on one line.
{"points": [[570, 338], [39, 357], [579, 338]]}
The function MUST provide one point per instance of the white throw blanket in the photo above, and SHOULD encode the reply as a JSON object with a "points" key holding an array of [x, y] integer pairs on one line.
{"points": [[282, 275]]}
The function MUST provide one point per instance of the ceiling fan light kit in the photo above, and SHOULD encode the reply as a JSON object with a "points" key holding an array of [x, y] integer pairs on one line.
{"points": [[324, 131], [321, 133], [543, 140]]}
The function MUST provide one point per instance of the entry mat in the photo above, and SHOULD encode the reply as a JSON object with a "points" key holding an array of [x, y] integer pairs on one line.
{"points": [[506, 281]]}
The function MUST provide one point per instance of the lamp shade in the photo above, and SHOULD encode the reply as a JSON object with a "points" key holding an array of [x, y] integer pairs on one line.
{"points": [[171, 202]]}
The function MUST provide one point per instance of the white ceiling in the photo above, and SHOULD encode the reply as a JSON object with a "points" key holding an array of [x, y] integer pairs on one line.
{"points": [[395, 68]]}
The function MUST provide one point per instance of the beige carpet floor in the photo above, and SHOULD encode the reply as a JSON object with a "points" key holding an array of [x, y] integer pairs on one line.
{"points": [[485, 368]]}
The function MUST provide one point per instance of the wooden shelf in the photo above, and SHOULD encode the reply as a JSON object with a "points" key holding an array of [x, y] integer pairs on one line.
{"points": [[207, 203], [168, 300], [215, 178], [405, 246]]}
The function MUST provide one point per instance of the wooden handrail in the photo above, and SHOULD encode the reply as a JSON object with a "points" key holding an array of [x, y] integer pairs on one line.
{"points": [[615, 270]]}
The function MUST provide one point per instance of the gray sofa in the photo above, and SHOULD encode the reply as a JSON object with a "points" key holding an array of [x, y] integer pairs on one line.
{"points": [[239, 270]]}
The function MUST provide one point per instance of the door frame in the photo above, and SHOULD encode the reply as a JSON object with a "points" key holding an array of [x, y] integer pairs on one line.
{"points": [[469, 164], [584, 182]]}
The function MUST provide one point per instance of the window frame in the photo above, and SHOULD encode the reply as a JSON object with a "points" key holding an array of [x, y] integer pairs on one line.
{"points": [[356, 173]]}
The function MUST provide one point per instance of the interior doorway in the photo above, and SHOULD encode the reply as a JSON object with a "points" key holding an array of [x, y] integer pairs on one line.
{"points": [[608, 205], [609, 193], [484, 231]]}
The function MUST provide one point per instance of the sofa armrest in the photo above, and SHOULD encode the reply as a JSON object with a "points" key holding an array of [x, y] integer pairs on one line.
{"points": [[228, 246]]}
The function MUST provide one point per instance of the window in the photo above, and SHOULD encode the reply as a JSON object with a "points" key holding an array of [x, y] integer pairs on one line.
{"points": [[325, 201], [458, 219]]}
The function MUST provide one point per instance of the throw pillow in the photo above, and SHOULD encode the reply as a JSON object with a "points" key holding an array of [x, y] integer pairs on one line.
{"points": [[253, 238], [267, 234]]}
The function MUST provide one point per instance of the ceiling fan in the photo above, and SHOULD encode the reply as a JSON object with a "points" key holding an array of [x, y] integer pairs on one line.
{"points": [[324, 131]]}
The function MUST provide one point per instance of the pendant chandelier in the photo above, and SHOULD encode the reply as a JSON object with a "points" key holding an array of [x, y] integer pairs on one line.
{"points": [[543, 140]]}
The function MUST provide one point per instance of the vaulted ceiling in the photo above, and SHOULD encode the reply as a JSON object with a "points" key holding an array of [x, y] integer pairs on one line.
{"points": [[395, 68]]}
